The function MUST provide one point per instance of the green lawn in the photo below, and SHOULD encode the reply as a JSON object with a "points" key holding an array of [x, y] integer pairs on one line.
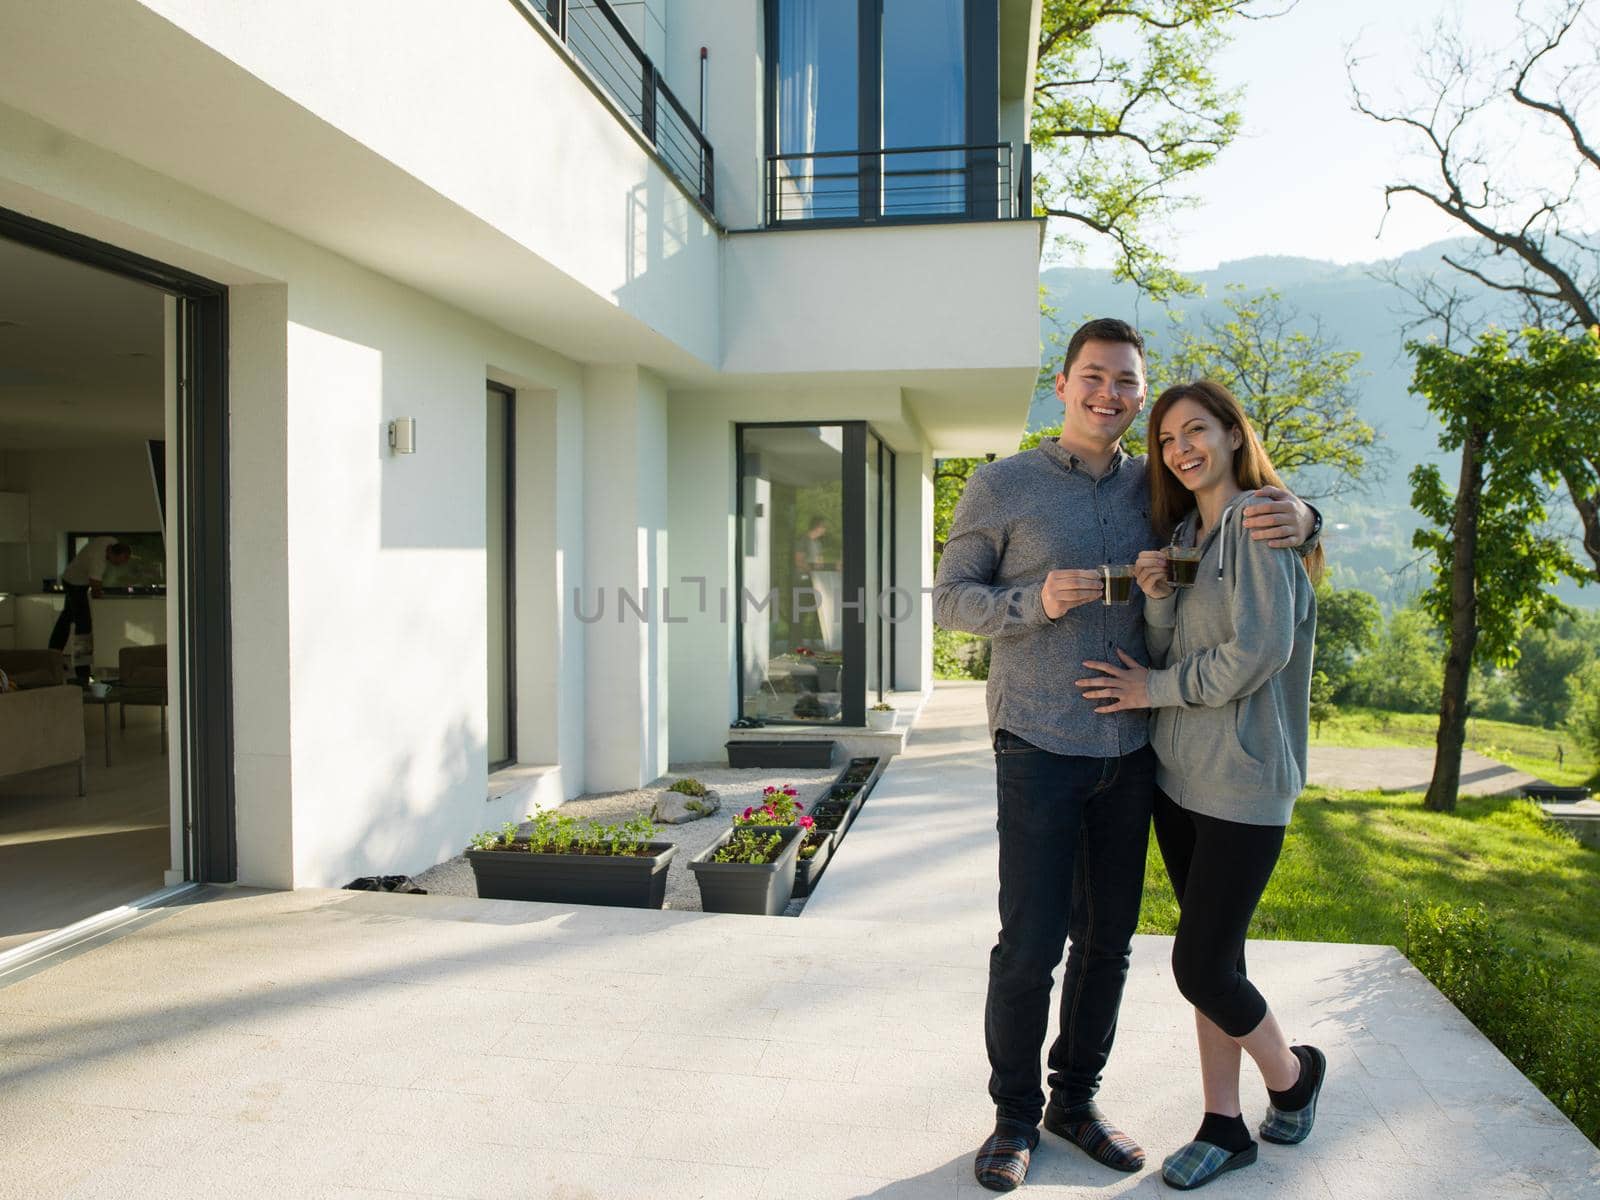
{"points": [[1550, 754], [1352, 859]]}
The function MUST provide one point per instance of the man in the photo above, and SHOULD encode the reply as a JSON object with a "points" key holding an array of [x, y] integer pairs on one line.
{"points": [[1075, 788], [83, 578]]}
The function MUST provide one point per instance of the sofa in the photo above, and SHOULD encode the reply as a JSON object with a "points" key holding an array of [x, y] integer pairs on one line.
{"points": [[41, 724]]}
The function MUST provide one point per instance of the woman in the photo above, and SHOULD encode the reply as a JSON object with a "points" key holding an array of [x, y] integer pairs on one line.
{"points": [[1231, 693]]}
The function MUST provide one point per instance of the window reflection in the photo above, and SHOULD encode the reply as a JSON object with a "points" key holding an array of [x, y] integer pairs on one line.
{"points": [[793, 548]]}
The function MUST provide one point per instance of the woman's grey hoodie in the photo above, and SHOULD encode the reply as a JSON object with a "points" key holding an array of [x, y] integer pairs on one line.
{"points": [[1231, 688]]}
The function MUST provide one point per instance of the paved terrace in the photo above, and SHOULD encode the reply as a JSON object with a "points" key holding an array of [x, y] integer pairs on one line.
{"points": [[354, 1045]]}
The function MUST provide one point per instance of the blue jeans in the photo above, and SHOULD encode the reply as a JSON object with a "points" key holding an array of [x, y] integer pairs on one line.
{"points": [[1074, 833]]}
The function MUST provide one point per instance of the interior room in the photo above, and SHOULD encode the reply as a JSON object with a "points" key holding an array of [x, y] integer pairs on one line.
{"points": [[85, 748]]}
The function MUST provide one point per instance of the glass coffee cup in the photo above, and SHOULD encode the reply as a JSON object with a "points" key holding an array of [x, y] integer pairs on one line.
{"points": [[1116, 585], [1183, 565]]}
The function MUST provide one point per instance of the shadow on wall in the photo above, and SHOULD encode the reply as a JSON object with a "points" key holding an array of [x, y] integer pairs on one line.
{"points": [[418, 810], [667, 279]]}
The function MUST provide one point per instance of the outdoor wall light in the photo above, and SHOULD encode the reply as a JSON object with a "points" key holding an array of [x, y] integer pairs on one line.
{"points": [[403, 436]]}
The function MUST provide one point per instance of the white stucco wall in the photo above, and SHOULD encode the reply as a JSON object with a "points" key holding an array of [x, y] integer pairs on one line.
{"points": [[357, 578], [907, 298], [735, 98]]}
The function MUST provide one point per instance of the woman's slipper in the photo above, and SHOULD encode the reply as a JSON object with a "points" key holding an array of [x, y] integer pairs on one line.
{"points": [[1289, 1128], [1198, 1163]]}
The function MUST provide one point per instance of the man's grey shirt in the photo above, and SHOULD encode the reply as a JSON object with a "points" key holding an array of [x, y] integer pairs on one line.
{"points": [[1019, 519]]}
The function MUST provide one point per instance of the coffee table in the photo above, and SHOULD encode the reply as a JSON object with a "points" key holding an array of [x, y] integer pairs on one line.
{"points": [[117, 693]]}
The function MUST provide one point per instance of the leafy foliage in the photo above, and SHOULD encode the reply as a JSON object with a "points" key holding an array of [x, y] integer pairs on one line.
{"points": [[1513, 404], [1125, 107], [1349, 622], [1403, 672], [751, 846], [1297, 386], [1522, 1001], [959, 655], [688, 786], [555, 833], [1584, 707], [1548, 660]]}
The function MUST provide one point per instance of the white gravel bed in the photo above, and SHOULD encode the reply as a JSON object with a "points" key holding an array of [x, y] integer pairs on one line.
{"points": [[738, 787]]}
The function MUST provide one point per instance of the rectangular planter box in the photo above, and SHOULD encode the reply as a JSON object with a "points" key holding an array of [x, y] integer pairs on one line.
{"points": [[808, 870], [762, 890], [778, 752], [620, 881]]}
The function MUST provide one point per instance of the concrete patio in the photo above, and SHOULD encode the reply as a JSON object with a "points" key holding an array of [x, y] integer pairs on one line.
{"points": [[341, 1044]]}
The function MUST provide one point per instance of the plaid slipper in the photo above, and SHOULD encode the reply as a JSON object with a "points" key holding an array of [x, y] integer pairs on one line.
{"points": [[1087, 1128], [1292, 1128], [1198, 1163], [1002, 1161]]}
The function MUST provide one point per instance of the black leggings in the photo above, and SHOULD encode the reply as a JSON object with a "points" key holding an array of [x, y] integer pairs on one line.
{"points": [[1218, 870]]}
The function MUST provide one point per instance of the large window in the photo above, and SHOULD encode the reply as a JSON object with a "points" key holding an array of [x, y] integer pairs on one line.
{"points": [[924, 104], [818, 103], [499, 443], [883, 110], [816, 516]]}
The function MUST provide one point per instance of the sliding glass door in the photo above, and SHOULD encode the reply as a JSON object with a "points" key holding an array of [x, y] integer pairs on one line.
{"points": [[815, 521]]}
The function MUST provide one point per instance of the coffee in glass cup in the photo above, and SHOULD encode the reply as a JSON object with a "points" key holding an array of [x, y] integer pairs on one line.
{"points": [[1183, 565], [1116, 585]]}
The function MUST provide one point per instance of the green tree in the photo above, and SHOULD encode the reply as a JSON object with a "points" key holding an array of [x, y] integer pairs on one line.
{"points": [[1547, 660], [1528, 213], [1505, 406], [1126, 107], [1583, 707], [1402, 673], [1297, 386], [1322, 706], [1348, 624]]}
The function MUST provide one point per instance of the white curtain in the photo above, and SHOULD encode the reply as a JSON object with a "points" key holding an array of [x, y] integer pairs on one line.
{"points": [[799, 83]]}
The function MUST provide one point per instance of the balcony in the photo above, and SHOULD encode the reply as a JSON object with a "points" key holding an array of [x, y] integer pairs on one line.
{"points": [[900, 186], [614, 60]]}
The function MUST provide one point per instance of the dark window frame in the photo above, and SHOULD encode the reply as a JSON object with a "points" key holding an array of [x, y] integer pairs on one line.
{"points": [[204, 658], [853, 675], [982, 134], [508, 397]]}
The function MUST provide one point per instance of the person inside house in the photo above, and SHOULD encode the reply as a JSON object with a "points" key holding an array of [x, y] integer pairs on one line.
{"points": [[1230, 688], [1022, 567], [83, 579]]}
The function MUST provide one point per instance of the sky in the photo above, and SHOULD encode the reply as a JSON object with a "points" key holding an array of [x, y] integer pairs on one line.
{"points": [[1306, 175]]}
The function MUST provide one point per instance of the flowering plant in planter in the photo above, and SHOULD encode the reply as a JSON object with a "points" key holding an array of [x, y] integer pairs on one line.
{"points": [[779, 806]]}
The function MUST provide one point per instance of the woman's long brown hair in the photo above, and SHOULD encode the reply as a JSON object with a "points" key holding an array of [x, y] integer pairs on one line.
{"points": [[1170, 501]]}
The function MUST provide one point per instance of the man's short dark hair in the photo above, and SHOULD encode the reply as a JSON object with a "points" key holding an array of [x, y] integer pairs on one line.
{"points": [[1102, 329], [120, 549]]}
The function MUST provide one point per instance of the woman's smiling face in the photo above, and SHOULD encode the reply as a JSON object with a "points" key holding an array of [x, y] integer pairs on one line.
{"points": [[1195, 445]]}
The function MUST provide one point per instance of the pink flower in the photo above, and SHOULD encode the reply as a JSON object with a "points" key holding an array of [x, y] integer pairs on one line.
{"points": [[800, 806], [748, 811], [807, 822]]}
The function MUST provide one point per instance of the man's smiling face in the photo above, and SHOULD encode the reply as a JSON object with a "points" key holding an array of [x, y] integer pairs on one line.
{"points": [[1101, 393]]}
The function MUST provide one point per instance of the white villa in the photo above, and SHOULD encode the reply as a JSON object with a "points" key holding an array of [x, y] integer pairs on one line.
{"points": [[495, 375]]}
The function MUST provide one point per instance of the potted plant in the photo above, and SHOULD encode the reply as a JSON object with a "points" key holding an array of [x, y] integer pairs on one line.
{"points": [[565, 861], [781, 807], [751, 868], [880, 718]]}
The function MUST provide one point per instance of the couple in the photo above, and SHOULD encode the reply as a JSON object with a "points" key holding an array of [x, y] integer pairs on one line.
{"points": [[1081, 768]]}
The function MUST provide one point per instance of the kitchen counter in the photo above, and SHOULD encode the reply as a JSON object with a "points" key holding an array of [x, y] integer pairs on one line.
{"points": [[119, 620]]}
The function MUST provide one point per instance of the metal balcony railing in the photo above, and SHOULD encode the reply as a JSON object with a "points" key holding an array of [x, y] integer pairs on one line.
{"points": [[917, 183], [599, 40]]}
